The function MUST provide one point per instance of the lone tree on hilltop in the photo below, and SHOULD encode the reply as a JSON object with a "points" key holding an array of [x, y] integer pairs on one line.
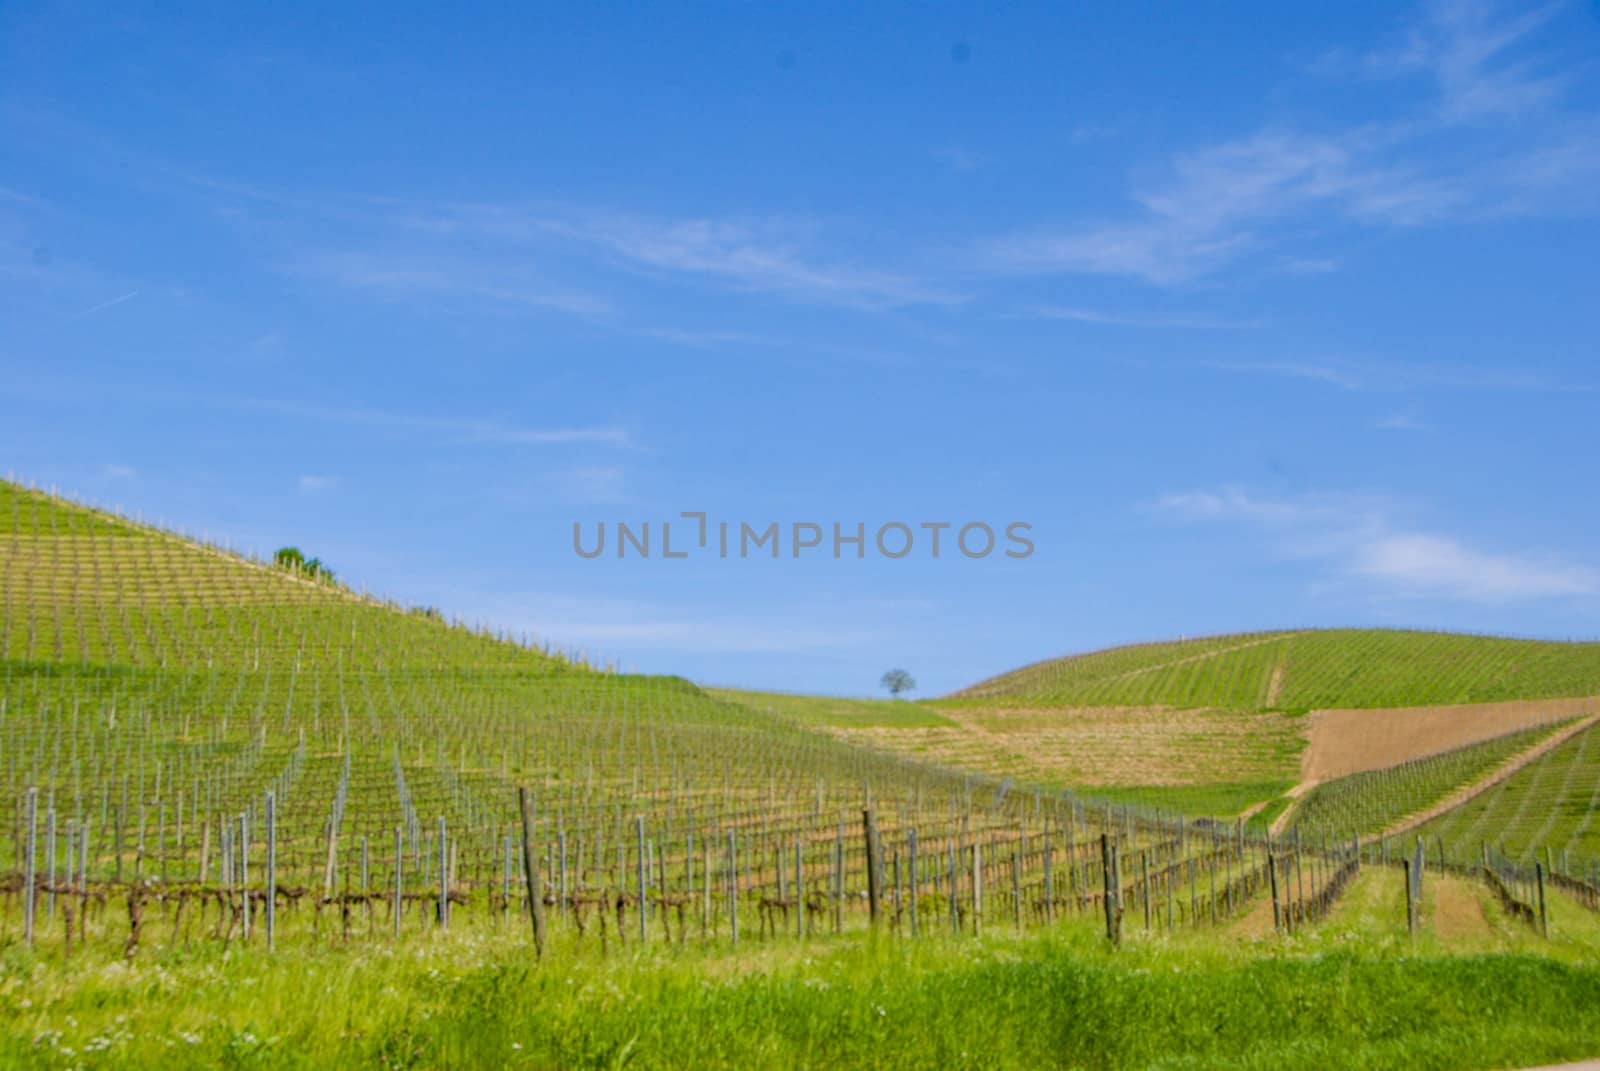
{"points": [[294, 560], [897, 681]]}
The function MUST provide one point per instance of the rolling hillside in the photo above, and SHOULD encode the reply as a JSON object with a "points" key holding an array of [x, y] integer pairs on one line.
{"points": [[153, 690], [1301, 671]]}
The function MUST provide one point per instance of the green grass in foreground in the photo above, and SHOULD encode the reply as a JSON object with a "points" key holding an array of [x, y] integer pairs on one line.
{"points": [[1063, 1000], [823, 710]]}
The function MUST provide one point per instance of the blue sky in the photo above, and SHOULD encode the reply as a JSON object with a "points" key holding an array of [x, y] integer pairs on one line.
{"points": [[1259, 316]]}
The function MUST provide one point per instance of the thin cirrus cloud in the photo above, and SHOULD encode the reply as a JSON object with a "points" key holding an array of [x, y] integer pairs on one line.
{"points": [[1394, 376], [494, 280], [1355, 539], [1472, 151], [465, 429], [765, 256], [485, 251], [1119, 319]]}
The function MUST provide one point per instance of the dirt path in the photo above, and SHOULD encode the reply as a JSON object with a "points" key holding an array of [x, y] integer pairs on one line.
{"points": [[1252, 810], [1281, 823], [1257, 922], [1457, 909], [1477, 788]]}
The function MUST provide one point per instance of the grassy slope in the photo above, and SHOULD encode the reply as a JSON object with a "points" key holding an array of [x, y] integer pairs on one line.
{"points": [[1554, 803], [1304, 670], [134, 662]]}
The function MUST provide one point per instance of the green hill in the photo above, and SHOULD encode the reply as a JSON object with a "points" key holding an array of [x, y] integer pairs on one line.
{"points": [[153, 689], [1302, 671]]}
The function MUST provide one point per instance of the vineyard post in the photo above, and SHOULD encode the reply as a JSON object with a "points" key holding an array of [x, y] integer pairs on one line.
{"points": [[1108, 862], [399, 878], [894, 893], [705, 882], [1144, 859], [50, 863], [530, 871], [1544, 919], [977, 888], [1016, 889], [1411, 901], [733, 887], [561, 888], [331, 862], [838, 880], [30, 862], [644, 889], [955, 905], [911, 851], [1049, 880], [272, 870], [1421, 863], [799, 890], [1170, 893], [444, 874], [244, 874], [1272, 875], [505, 880], [870, 830], [1212, 869]]}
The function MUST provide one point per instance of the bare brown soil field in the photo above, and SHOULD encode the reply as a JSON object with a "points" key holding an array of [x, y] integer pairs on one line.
{"points": [[1344, 742]]}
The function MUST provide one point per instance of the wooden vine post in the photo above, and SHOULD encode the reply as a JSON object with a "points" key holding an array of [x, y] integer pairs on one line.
{"points": [[530, 870], [1113, 906], [870, 829]]}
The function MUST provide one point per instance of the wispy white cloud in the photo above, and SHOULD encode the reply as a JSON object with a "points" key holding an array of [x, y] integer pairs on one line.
{"points": [[1113, 319], [1471, 151], [1438, 565], [1317, 373], [493, 279], [91, 310], [1357, 540], [769, 256], [119, 472], [1399, 422], [1395, 376], [466, 429], [458, 428], [317, 483], [1468, 49], [1224, 201]]}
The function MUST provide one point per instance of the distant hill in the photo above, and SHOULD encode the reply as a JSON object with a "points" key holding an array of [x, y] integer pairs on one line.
{"points": [[1303, 670]]}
